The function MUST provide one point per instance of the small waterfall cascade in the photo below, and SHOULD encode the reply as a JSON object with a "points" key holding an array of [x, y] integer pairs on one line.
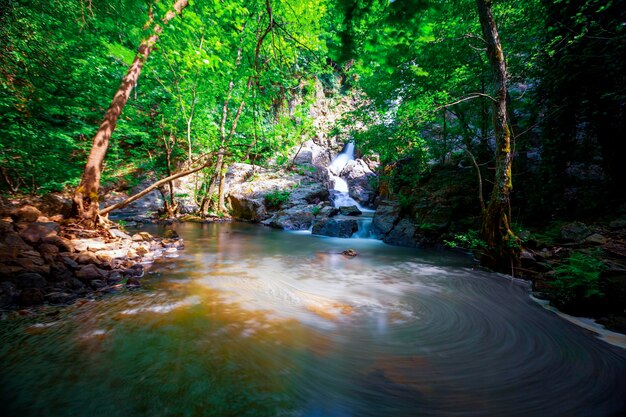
{"points": [[340, 191]]}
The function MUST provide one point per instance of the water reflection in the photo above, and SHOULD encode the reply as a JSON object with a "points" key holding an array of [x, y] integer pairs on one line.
{"points": [[255, 322]]}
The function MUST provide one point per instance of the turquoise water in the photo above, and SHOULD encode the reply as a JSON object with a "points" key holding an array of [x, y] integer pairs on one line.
{"points": [[250, 321]]}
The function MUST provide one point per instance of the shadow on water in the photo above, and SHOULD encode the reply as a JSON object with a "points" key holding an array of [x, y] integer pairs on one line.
{"points": [[250, 321]]}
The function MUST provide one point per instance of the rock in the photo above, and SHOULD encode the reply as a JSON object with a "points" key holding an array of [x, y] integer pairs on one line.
{"points": [[328, 211], [618, 224], [114, 278], [295, 218], [91, 272], [59, 273], [308, 193], [361, 181], [403, 234], [93, 244], [26, 214], [69, 262], [350, 253], [48, 251], [63, 244], [170, 234], [135, 270], [142, 236], [97, 283], [574, 232], [350, 211], [335, 228], [386, 216], [55, 204], [119, 234], [59, 297], [109, 255], [37, 231], [30, 297], [87, 257], [133, 282], [8, 293], [30, 280], [596, 239], [244, 208]]}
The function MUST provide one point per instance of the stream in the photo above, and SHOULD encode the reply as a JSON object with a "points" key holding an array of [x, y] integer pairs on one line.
{"points": [[252, 321]]}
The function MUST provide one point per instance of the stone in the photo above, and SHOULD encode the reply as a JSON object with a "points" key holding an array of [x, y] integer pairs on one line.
{"points": [[351, 253], [295, 218], [141, 236], [97, 283], [63, 244], [170, 234], [30, 297], [350, 211], [344, 228], [133, 282], [59, 297], [361, 181], [55, 204], [386, 216], [59, 273], [87, 257], [37, 231], [26, 214], [328, 211], [8, 293], [91, 272], [574, 232], [135, 270], [596, 239], [30, 280], [48, 252], [119, 234], [402, 234]]}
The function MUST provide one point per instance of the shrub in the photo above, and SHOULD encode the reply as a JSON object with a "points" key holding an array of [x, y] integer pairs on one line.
{"points": [[275, 199], [579, 277]]}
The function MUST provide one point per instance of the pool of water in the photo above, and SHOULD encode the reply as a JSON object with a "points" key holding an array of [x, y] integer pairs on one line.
{"points": [[250, 321]]}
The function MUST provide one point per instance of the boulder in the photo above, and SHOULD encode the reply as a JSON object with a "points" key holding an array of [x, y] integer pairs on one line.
{"points": [[402, 234], [52, 204], [386, 216], [26, 214], [93, 244], [170, 234], [35, 232], [59, 297], [30, 297], [574, 232], [596, 239], [295, 218], [361, 181], [90, 272], [8, 293], [344, 228], [350, 211], [119, 234], [63, 244]]}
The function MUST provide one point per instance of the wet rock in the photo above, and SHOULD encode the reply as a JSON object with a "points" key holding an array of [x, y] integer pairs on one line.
{"points": [[59, 297], [295, 218], [403, 234], [335, 227], [135, 270], [90, 272], [361, 181], [60, 273], [618, 224], [8, 293], [170, 234], [142, 236], [30, 280], [26, 214], [133, 282], [349, 253], [114, 278], [386, 216], [30, 297], [596, 239], [574, 232], [97, 283], [328, 211], [350, 211], [93, 244]]}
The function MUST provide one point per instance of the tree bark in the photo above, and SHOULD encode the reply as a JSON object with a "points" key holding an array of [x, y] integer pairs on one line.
{"points": [[502, 245], [86, 195]]}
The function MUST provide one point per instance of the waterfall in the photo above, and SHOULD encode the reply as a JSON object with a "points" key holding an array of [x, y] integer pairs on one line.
{"points": [[340, 191]]}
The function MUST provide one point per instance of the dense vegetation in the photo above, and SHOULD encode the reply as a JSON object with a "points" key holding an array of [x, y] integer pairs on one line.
{"points": [[234, 81]]}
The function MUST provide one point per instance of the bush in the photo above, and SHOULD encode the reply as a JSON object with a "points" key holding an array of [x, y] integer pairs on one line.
{"points": [[470, 240], [275, 199], [579, 277]]}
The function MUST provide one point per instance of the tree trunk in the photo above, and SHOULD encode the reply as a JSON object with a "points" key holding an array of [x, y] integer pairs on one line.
{"points": [[502, 245], [86, 195]]}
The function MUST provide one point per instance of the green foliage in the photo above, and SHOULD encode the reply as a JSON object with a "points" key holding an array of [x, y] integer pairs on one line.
{"points": [[276, 198], [316, 210], [579, 277], [471, 240]]}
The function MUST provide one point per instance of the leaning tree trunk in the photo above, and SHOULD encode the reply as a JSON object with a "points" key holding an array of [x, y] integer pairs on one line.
{"points": [[502, 245], [86, 195]]}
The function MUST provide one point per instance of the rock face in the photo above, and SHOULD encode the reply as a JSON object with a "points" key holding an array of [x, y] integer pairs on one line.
{"points": [[335, 227], [350, 211], [361, 181], [248, 188]]}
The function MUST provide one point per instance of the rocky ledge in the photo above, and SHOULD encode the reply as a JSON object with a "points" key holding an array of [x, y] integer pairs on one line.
{"points": [[56, 262]]}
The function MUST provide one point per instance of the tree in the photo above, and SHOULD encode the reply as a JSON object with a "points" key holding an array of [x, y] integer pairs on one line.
{"points": [[86, 195], [502, 244]]}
